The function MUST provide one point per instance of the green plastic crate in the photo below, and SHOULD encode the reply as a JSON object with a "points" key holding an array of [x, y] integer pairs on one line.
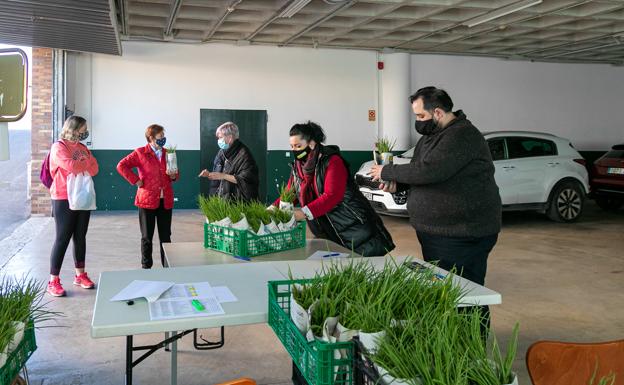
{"points": [[246, 244], [316, 359], [17, 359]]}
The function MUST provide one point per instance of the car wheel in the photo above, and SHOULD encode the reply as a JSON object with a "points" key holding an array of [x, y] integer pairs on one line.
{"points": [[609, 204], [566, 202]]}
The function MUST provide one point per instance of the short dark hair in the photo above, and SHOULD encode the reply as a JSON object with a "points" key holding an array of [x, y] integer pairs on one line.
{"points": [[308, 131], [433, 98], [152, 130]]}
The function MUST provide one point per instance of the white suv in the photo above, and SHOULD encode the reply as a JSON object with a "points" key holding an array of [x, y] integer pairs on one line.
{"points": [[534, 171]]}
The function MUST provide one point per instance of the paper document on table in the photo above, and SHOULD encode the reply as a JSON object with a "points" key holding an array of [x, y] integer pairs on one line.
{"points": [[183, 300], [150, 290], [224, 294], [188, 290], [183, 308], [320, 255]]}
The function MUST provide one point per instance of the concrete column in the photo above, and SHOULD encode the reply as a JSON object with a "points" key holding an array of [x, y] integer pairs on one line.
{"points": [[395, 109]]}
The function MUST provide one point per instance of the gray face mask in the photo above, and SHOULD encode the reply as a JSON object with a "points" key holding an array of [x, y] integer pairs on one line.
{"points": [[83, 135]]}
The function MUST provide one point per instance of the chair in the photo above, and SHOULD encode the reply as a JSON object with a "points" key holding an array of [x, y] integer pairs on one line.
{"points": [[565, 363], [240, 381]]}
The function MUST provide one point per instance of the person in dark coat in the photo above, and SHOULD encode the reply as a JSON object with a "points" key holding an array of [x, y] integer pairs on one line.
{"points": [[237, 175], [454, 203], [330, 201], [217, 166]]}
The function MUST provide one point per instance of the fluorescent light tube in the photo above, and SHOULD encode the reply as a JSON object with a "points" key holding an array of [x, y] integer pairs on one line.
{"points": [[294, 7], [504, 11]]}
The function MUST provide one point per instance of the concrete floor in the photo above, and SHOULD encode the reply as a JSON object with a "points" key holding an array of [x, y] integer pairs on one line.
{"points": [[561, 282]]}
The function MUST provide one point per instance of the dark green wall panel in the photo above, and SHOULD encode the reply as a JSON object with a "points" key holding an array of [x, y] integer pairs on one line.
{"points": [[115, 193]]}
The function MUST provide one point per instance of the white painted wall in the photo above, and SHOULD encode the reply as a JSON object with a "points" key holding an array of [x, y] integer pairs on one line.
{"points": [[394, 108], [581, 102], [169, 83]]}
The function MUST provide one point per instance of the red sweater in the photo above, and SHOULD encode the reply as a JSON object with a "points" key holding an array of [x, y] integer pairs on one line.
{"points": [[334, 187], [69, 158], [152, 172]]}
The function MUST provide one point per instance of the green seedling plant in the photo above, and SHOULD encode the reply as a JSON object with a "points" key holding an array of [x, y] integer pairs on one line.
{"points": [[385, 145], [322, 309], [280, 216], [256, 214], [504, 364], [287, 194], [171, 149], [213, 207], [481, 370], [235, 211], [399, 342], [22, 300], [306, 294]]}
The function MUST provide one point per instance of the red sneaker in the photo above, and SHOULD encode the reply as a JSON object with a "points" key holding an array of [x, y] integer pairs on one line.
{"points": [[55, 289], [84, 281]]}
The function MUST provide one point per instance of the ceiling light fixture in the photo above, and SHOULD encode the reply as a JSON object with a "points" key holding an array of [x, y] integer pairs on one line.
{"points": [[294, 7], [504, 11]]}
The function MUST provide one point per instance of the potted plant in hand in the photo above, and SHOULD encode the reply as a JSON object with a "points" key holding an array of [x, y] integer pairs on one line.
{"points": [[287, 198], [172, 160], [383, 151]]}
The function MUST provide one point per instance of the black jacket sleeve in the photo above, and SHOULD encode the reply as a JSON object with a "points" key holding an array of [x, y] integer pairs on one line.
{"points": [[247, 178], [452, 152]]}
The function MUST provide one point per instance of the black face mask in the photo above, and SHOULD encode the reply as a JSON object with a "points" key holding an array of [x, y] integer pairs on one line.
{"points": [[83, 135], [302, 155], [425, 127]]}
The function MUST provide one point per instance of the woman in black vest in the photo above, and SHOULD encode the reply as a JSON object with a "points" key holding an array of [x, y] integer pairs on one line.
{"points": [[330, 201]]}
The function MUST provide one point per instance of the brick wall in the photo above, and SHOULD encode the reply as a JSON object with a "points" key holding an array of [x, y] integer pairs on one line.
{"points": [[41, 127]]}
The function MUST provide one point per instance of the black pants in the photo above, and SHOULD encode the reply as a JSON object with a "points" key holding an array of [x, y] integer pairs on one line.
{"points": [[148, 219], [468, 255], [70, 225]]}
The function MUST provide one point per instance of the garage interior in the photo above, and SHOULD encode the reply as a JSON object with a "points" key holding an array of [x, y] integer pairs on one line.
{"points": [[553, 66]]}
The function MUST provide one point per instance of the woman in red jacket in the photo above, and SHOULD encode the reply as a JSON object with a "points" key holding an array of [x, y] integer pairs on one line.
{"points": [[69, 156], [154, 196]]}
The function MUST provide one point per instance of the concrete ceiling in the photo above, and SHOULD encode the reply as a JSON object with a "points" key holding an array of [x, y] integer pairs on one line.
{"points": [[555, 30], [75, 25]]}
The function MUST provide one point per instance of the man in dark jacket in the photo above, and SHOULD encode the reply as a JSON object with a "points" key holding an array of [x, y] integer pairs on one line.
{"points": [[238, 179], [453, 203]]}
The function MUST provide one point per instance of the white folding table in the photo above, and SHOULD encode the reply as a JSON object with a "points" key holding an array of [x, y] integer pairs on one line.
{"points": [[195, 254], [247, 281]]}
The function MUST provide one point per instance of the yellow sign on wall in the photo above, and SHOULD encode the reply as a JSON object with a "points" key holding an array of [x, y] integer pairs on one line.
{"points": [[13, 84]]}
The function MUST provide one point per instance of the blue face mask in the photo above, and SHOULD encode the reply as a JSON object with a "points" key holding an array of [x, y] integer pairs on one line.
{"points": [[161, 142], [222, 145]]}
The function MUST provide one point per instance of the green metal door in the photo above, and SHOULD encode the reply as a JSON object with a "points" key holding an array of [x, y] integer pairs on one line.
{"points": [[252, 127]]}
